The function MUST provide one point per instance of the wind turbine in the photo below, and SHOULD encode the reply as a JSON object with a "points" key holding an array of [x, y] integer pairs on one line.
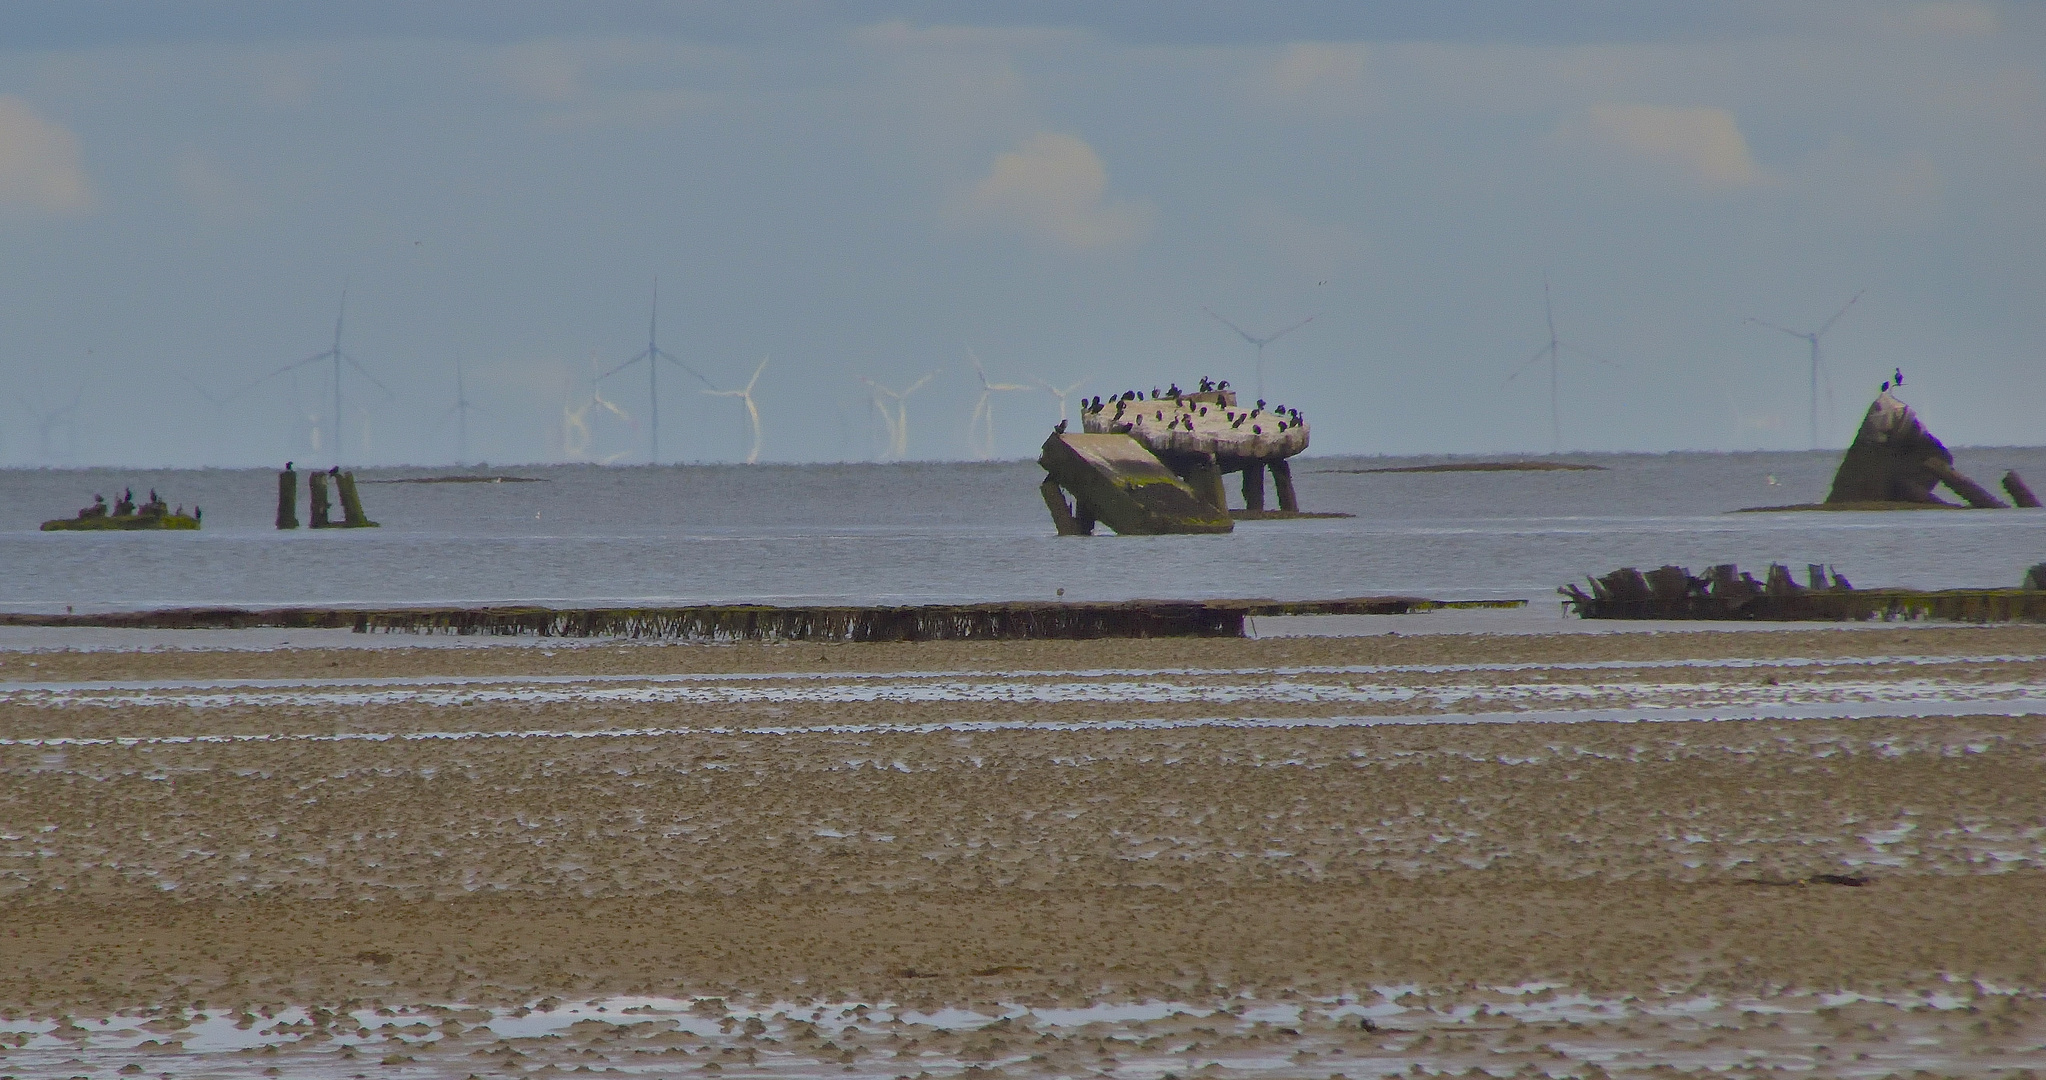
{"points": [[1061, 395], [898, 420], [1260, 342], [461, 410], [752, 410], [984, 409], [653, 354], [1813, 337], [1553, 352], [337, 357]]}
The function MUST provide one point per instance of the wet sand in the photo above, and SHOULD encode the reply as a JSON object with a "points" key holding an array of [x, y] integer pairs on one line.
{"points": [[1304, 832]]}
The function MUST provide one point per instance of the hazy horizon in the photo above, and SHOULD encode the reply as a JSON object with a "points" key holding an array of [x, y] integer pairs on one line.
{"points": [[880, 191]]}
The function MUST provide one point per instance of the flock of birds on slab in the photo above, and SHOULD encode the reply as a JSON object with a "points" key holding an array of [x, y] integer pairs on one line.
{"points": [[1237, 417]]}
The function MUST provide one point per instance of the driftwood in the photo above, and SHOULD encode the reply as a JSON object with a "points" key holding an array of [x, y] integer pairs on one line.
{"points": [[2019, 493]]}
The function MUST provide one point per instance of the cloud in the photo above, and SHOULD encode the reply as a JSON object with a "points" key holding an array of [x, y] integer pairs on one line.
{"points": [[1333, 78], [39, 162], [1053, 188], [1702, 144]]}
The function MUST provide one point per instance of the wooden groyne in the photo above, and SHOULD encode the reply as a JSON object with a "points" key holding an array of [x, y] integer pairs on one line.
{"points": [[1017, 621], [1725, 593]]}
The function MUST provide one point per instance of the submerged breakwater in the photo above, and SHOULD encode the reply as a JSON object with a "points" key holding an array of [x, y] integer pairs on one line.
{"points": [[1014, 621]]}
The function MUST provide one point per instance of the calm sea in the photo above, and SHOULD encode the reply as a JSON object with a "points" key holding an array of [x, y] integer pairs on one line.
{"points": [[927, 533]]}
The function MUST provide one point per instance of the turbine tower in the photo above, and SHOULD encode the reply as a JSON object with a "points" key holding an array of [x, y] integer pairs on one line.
{"points": [[752, 410], [337, 358], [984, 409], [897, 421], [461, 410], [1553, 353], [1813, 337], [653, 354], [1259, 342]]}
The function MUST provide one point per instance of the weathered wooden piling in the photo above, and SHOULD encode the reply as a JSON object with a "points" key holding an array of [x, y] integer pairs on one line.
{"points": [[352, 516], [317, 502], [287, 499], [750, 622], [2020, 495], [1725, 593]]}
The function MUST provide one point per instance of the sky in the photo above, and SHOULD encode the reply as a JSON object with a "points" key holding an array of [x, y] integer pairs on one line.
{"points": [[864, 194]]}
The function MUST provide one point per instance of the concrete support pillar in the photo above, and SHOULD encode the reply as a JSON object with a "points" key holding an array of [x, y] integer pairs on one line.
{"points": [[287, 499], [322, 508], [1205, 478], [1254, 486], [1062, 517], [1282, 478]]}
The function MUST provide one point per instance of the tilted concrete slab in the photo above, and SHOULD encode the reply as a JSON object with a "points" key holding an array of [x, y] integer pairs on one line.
{"points": [[1124, 486]]}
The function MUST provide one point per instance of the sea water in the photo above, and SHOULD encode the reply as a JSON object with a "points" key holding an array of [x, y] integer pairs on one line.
{"points": [[919, 533]]}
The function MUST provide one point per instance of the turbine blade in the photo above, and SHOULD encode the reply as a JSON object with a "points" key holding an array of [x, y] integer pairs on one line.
{"points": [[1785, 329], [1837, 314], [663, 354], [636, 359], [1528, 363], [364, 372], [1240, 332], [1292, 328]]}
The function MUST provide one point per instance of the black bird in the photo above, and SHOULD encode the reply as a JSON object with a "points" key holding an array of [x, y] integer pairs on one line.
{"points": [[287, 466], [1886, 386], [1256, 430], [1900, 376], [1223, 385], [1173, 390], [1155, 395], [1260, 403], [335, 471], [1061, 429]]}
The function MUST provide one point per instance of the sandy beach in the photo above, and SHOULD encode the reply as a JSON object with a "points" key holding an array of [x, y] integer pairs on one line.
{"points": [[1813, 849]]}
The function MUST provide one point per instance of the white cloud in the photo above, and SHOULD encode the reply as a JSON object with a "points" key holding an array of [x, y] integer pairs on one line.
{"points": [[1702, 144], [40, 167], [1053, 188], [1328, 77]]}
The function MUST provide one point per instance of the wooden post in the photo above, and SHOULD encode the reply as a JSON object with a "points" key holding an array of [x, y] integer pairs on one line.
{"points": [[287, 499], [1062, 514], [1282, 478], [321, 508], [352, 516], [2020, 495], [1254, 486]]}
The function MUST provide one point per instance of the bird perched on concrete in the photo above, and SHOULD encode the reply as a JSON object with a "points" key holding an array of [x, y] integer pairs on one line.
{"points": [[1061, 429], [1900, 377], [1886, 386]]}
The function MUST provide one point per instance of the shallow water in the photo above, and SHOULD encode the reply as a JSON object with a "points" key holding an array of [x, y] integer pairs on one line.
{"points": [[933, 533]]}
